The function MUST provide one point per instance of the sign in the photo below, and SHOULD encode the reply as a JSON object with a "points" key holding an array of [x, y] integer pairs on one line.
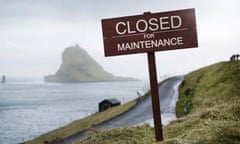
{"points": [[150, 32]]}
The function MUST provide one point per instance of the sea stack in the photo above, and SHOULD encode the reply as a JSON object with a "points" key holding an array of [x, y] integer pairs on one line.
{"points": [[78, 66]]}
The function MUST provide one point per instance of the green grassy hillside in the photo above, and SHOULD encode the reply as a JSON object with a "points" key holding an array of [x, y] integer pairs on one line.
{"points": [[82, 124], [208, 111], [209, 106]]}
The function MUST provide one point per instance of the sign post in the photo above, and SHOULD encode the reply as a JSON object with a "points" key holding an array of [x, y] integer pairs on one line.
{"points": [[149, 33], [155, 96]]}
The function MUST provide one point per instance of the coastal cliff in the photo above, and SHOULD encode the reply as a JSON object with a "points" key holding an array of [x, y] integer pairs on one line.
{"points": [[78, 66]]}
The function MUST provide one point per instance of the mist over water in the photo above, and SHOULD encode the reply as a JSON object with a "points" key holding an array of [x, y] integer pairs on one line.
{"points": [[29, 108]]}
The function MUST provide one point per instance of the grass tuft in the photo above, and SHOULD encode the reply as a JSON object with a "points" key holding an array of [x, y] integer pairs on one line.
{"points": [[125, 135]]}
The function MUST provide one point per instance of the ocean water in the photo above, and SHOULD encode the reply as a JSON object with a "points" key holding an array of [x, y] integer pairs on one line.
{"points": [[29, 108]]}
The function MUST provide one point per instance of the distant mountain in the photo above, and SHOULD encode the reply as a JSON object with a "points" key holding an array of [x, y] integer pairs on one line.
{"points": [[78, 66]]}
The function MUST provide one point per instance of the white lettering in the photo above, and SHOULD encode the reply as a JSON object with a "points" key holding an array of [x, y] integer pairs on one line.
{"points": [[160, 43], [164, 25], [174, 41], [148, 44], [129, 28], [180, 41], [150, 25], [153, 26], [117, 28], [176, 19], [144, 23], [148, 36]]}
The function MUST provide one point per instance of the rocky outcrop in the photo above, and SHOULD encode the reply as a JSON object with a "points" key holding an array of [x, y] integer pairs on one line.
{"points": [[78, 66]]}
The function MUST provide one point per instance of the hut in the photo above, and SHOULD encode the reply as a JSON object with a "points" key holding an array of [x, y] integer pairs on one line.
{"points": [[108, 103]]}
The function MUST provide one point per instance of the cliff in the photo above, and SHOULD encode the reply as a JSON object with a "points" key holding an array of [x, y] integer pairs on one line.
{"points": [[78, 66]]}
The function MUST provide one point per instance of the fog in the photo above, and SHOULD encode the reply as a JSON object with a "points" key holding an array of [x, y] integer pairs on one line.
{"points": [[33, 35]]}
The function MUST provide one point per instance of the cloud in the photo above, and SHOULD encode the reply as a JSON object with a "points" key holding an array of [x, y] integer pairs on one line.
{"points": [[78, 10], [51, 10]]}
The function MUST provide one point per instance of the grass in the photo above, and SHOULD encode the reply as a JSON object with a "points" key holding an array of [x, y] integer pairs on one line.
{"points": [[126, 135], [208, 111], [208, 86], [82, 124], [209, 106]]}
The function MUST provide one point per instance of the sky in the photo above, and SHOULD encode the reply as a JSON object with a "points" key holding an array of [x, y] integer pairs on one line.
{"points": [[33, 35]]}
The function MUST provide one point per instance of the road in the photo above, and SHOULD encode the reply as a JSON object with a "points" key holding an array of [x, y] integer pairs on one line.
{"points": [[142, 112]]}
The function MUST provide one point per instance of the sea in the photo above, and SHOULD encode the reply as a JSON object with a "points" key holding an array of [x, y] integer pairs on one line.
{"points": [[31, 107]]}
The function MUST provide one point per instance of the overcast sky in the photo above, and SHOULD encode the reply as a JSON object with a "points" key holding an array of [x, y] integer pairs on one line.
{"points": [[33, 35]]}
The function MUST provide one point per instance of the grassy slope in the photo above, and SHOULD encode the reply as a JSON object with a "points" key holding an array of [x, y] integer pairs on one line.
{"points": [[209, 111], [82, 124], [124, 135], [209, 106]]}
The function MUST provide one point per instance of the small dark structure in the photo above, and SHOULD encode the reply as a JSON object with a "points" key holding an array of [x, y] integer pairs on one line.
{"points": [[108, 103], [3, 79], [235, 57]]}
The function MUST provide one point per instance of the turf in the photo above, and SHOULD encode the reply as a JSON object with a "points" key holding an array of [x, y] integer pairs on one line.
{"points": [[208, 111]]}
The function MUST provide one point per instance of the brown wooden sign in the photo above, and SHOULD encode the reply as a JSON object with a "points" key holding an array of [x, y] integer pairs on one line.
{"points": [[150, 32]]}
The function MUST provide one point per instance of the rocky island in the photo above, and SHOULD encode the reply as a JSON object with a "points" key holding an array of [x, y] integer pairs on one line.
{"points": [[78, 66]]}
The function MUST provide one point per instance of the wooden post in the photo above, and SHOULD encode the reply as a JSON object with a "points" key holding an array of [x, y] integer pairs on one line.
{"points": [[155, 96]]}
